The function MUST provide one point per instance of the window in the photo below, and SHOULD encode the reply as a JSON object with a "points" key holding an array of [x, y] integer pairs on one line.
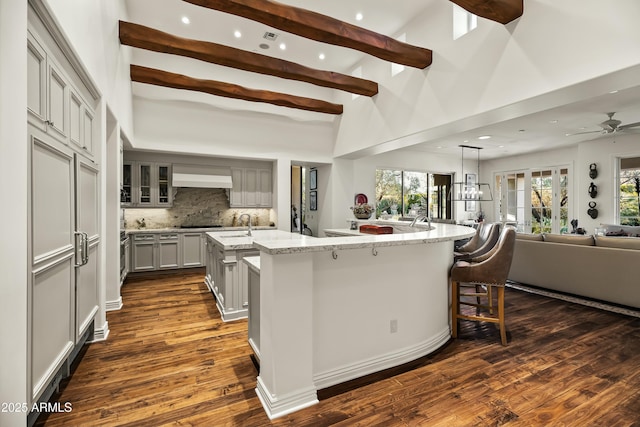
{"points": [[411, 193], [463, 22], [629, 191], [535, 201]]}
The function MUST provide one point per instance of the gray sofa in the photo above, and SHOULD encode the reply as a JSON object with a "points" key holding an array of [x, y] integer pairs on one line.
{"points": [[601, 267]]}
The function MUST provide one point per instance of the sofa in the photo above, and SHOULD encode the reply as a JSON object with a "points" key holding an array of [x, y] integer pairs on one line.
{"points": [[596, 267]]}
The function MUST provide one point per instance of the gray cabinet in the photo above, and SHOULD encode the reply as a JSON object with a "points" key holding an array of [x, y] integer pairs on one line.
{"points": [[64, 228], [161, 251], [146, 185], [193, 250], [153, 251], [54, 104], [143, 252], [252, 188], [168, 247], [227, 277]]}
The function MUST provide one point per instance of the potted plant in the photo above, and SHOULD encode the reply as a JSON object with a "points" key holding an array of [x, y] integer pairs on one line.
{"points": [[362, 210]]}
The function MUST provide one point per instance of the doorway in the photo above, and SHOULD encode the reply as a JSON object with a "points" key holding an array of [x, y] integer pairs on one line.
{"points": [[299, 200]]}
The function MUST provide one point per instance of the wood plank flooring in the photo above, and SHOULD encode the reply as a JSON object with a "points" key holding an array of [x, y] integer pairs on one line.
{"points": [[170, 360]]}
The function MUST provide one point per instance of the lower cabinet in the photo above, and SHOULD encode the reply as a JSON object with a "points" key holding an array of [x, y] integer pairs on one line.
{"points": [[164, 251], [156, 251], [227, 278], [192, 250]]}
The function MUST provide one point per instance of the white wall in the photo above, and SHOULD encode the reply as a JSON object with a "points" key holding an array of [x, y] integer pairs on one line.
{"points": [[13, 173], [192, 128], [604, 153], [553, 46]]}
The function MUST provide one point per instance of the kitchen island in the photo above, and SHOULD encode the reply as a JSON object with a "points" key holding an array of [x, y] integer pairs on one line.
{"points": [[336, 308], [226, 274]]}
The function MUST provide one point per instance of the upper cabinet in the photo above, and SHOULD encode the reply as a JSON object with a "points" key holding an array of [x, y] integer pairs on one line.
{"points": [[252, 188], [146, 185], [54, 104]]}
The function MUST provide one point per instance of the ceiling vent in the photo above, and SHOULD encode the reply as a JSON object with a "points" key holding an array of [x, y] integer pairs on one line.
{"points": [[270, 36]]}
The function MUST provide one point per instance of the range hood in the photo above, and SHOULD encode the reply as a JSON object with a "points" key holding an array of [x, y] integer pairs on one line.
{"points": [[201, 176]]}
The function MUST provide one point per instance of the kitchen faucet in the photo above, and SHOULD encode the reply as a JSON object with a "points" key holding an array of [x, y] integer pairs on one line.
{"points": [[421, 218], [249, 216]]}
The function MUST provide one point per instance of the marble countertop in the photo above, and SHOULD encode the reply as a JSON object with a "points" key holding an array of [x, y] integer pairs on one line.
{"points": [[195, 230], [277, 242], [238, 239], [253, 262]]}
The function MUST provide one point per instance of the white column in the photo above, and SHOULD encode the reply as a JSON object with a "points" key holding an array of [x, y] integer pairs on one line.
{"points": [[282, 189], [285, 383]]}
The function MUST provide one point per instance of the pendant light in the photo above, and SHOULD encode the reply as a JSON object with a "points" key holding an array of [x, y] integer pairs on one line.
{"points": [[470, 190]]}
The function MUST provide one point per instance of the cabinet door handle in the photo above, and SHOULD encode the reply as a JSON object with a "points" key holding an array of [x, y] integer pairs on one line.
{"points": [[79, 248], [85, 248]]}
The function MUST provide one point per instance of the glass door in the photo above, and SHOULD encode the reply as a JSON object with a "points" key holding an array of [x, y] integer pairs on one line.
{"points": [[535, 201]]}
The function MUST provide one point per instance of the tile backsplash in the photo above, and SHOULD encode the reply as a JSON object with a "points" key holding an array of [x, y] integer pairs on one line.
{"points": [[196, 206]]}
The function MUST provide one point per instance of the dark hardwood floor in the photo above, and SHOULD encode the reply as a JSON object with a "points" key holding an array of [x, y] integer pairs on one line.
{"points": [[170, 360]]}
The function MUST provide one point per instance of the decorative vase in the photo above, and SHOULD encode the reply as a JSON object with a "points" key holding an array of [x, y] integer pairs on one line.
{"points": [[362, 215]]}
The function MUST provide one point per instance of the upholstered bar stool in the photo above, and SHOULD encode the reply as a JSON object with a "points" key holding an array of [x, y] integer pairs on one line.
{"points": [[485, 238], [490, 270]]}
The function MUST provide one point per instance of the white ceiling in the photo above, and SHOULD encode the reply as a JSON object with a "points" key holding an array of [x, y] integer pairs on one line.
{"points": [[512, 135]]}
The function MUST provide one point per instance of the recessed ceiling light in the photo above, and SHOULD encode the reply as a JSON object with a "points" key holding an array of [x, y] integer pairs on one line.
{"points": [[283, 46], [553, 121], [237, 34], [359, 16], [263, 46], [521, 131], [321, 56], [484, 137], [186, 20], [613, 91]]}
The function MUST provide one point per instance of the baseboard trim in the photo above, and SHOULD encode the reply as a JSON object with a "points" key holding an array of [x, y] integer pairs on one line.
{"points": [[114, 305], [101, 334], [628, 311], [389, 360], [279, 406]]}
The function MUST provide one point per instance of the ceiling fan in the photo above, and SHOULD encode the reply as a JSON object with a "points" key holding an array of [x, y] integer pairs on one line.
{"points": [[612, 125]]}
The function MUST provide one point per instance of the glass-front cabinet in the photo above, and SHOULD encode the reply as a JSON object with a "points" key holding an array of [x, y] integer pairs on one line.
{"points": [[146, 184], [126, 191]]}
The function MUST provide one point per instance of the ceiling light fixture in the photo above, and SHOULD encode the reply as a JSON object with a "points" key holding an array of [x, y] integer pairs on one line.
{"points": [[470, 190], [321, 56], [359, 16], [237, 34], [485, 137], [283, 46], [186, 20]]}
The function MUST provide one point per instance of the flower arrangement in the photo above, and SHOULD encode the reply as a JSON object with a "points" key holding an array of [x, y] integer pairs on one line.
{"points": [[362, 210]]}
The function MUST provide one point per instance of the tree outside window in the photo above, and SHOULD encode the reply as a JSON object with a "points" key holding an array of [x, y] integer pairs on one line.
{"points": [[629, 192]]}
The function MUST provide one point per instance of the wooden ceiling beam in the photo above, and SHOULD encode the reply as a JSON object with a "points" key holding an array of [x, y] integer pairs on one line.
{"points": [[502, 11], [139, 36], [322, 28], [178, 81]]}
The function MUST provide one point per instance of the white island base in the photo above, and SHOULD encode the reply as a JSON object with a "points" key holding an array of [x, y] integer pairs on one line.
{"points": [[329, 314]]}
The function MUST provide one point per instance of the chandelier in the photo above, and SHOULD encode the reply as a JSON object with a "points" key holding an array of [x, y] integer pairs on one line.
{"points": [[470, 189]]}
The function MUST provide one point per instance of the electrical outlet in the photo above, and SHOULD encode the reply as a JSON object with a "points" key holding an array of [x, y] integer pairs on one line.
{"points": [[393, 326]]}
